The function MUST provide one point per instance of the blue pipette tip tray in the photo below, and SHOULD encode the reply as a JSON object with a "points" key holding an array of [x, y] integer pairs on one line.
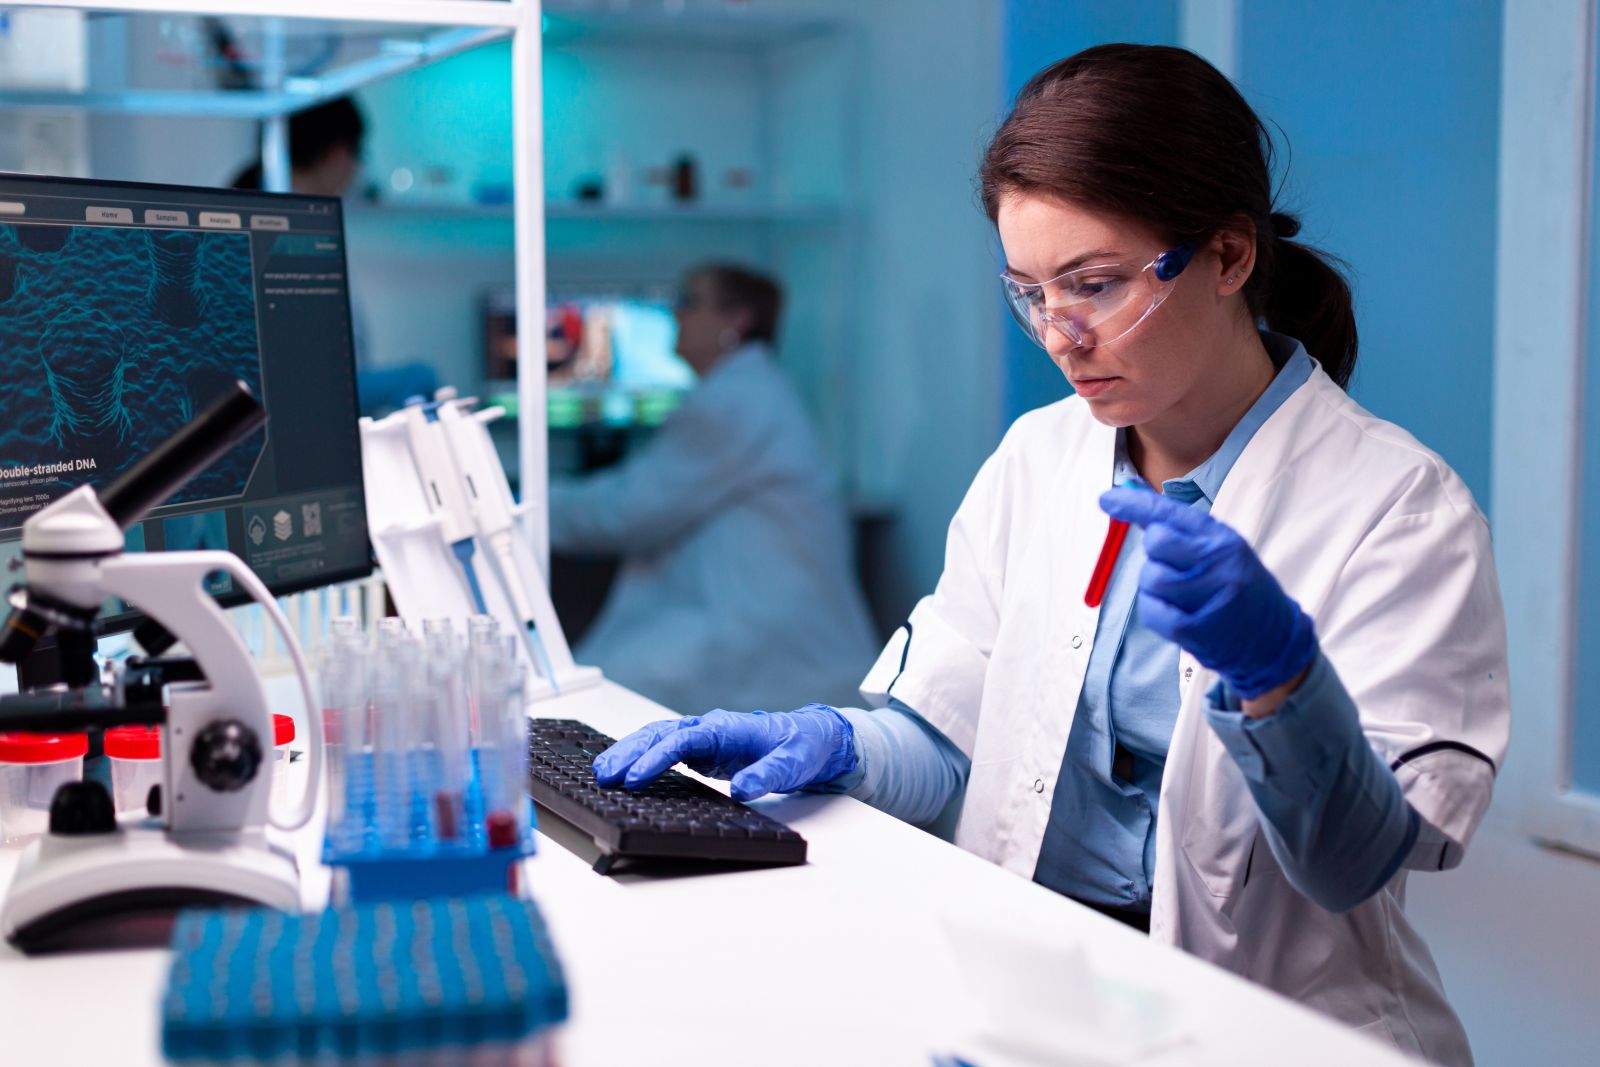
{"points": [[383, 982]]}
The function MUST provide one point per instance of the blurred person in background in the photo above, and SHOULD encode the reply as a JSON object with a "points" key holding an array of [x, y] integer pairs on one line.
{"points": [[737, 588], [325, 144]]}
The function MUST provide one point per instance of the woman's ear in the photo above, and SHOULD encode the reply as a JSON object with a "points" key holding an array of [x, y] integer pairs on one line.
{"points": [[1235, 248]]}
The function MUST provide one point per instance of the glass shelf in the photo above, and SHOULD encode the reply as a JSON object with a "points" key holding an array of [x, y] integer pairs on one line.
{"points": [[708, 23], [250, 66], [556, 212]]}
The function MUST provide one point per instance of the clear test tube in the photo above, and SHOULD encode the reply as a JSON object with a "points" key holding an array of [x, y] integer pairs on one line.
{"points": [[325, 667], [449, 736], [482, 633], [514, 746], [347, 717], [504, 756], [437, 628], [394, 740]]}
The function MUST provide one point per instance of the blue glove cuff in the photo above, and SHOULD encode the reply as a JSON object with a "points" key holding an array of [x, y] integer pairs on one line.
{"points": [[842, 759], [1298, 650]]}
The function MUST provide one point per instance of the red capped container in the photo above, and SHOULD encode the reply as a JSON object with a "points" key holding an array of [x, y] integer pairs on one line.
{"points": [[32, 766], [135, 755], [282, 734]]}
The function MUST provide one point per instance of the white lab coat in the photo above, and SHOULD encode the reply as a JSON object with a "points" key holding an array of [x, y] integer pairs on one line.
{"points": [[1378, 540], [737, 588]]}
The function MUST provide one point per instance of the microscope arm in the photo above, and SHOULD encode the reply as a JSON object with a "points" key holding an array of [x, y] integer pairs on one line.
{"points": [[169, 587]]}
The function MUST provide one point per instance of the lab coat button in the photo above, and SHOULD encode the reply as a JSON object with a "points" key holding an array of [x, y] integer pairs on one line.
{"points": [[1077, 640], [1038, 785]]}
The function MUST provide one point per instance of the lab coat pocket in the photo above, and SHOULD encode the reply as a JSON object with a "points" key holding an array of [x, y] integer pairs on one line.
{"points": [[1220, 824]]}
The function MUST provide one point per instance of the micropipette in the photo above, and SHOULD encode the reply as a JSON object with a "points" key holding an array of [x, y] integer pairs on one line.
{"points": [[442, 479]]}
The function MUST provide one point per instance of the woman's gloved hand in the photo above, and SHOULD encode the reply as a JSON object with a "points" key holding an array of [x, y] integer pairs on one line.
{"points": [[760, 752], [1204, 589]]}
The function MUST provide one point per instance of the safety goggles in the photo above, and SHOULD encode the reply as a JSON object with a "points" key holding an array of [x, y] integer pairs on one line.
{"points": [[1097, 304]]}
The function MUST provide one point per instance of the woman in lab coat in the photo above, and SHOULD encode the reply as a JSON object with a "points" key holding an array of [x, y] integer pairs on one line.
{"points": [[1294, 691], [734, 540]]}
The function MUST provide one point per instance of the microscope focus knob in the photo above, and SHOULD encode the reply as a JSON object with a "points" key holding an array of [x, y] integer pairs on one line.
{"points": [[80, 808], [225, 755]]}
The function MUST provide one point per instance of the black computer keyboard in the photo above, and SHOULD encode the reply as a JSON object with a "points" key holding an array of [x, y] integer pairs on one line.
{"points": [[675, 817]]}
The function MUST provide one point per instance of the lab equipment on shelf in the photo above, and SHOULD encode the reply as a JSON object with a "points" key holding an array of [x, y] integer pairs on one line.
{"points": [[674, 817], [451, 981], [427, 754]]}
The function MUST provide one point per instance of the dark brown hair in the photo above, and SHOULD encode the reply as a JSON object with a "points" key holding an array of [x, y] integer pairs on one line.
{"points": [[738, 289], [1160, 135]]}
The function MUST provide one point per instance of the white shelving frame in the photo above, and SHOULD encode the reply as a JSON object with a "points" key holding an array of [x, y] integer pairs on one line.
{"points": [[1547, 140], [480, 21]]}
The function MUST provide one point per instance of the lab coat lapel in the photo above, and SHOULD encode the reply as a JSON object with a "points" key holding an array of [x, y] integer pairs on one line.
{"points": [[1208, 821], [1075, 529]]}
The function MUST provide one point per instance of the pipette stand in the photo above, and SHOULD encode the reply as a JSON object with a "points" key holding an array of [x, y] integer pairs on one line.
{"points": [[433, 479]]}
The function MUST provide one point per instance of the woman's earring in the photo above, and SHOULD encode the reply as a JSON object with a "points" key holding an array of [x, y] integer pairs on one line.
{"points": [[1234, 278]]}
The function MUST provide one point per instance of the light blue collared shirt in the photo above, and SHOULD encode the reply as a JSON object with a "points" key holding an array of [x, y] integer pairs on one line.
{"points": [[1306, 761], [1100, 843]]}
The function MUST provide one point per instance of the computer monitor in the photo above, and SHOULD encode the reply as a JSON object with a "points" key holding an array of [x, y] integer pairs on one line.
{"points": [[622, 341], [123, 308]]}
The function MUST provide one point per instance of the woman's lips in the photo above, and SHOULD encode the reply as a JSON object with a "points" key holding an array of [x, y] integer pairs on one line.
{"points": [[1089, 388]]}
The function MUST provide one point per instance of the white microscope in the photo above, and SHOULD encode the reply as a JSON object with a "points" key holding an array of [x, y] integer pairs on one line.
{"points": [[96, 881]]}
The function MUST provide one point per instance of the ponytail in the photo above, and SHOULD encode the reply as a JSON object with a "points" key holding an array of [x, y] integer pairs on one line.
{"points": [[1303, 293]]}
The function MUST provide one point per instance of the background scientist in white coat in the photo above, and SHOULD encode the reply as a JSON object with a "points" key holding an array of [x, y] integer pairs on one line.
{"points": [[1294, 692], [737, 588]]}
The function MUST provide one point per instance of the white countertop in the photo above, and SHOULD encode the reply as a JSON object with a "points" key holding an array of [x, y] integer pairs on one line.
{"points": [[848, 959]]}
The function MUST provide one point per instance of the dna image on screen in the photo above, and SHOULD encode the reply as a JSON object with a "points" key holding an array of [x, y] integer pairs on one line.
{"points": [[111, 337]]}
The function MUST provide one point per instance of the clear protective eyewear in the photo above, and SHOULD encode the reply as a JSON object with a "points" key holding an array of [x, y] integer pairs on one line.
{"points": [[1097, 304]]}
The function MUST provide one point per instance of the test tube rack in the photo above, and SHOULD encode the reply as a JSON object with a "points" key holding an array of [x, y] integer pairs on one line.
{"points": [[429, 981], [427, 745], [481, 856]]}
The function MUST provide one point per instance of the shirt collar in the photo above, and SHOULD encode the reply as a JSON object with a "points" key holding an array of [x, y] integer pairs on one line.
{"points": [[1294, 368], [749, 352]]}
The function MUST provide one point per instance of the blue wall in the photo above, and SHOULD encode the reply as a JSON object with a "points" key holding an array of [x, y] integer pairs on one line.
{"points": [[1392, 117], [1393, 120], [1036, 33]]}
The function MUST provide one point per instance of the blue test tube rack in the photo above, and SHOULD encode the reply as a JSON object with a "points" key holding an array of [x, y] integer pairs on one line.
{"points": [[394, 848], [458, 980]]}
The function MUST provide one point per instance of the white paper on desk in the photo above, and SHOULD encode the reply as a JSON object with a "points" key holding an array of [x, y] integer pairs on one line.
{"points": [[1038, 998]]}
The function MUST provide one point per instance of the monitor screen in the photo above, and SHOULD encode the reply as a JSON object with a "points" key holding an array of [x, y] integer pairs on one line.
{"points": [[124, 307], [625, 342]]}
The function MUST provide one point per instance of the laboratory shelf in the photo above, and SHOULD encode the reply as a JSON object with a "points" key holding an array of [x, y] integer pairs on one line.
{"points": [[570, 211], [800, 214], [255, 66], [706, 24]]}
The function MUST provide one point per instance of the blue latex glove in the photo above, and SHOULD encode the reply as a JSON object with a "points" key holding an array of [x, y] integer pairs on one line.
{"points": [[1204, 589], [760, 752]]}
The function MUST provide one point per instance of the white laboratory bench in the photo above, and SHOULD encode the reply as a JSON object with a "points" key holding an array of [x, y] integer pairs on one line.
{"points": [[849, 959]]}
